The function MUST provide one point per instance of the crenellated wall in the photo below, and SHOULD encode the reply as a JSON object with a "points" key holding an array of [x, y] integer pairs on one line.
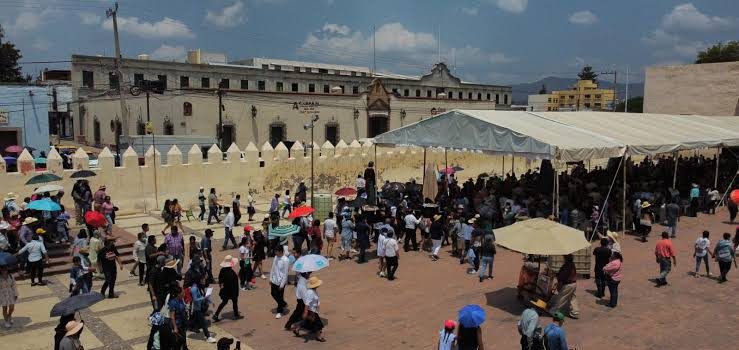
{"points": [[261, 171]]}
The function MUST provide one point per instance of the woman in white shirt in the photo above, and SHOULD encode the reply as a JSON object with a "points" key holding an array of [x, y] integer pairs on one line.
{"points": [[311, 318], [329, 231], [381, 240], [287, 205], [245, 271]]}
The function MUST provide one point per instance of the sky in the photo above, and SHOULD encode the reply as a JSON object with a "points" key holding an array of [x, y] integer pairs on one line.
{"points": [[486, 41]]}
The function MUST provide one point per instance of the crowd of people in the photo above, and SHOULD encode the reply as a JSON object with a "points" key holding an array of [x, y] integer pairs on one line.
{"points": [[178, 275]]}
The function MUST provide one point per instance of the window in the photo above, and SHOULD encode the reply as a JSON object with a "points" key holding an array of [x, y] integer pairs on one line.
{"points": [[184, 82], [406, 92], [137, 79], [278, 67], [294, 87], [459, 95], [265, 66], [597, 96], [342, 88], [224, 84], [497, 98], [260, 85], [140, 127], [505, 99], [322, 71], [587, 105], [168, 127], [278, 86], [205, 83], [395, 91], [113, 81], [548, 108], [355, 90], [587, 96], [572, 97], [428, 93], [469, 95], [418, 93], [88, 80], [326, 89], [162, 80], [479, 95], [332, 133], [244, 84], [549, 100], [296, 69], [354, 74], [187, 109], [488, 98], [311, 87], [337, 72]]}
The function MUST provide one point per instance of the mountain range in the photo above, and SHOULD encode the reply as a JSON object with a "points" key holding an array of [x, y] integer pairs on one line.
{"points": [[522, 91]]}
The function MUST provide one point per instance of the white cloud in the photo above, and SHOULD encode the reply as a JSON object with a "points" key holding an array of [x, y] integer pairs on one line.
{"points": [[395, 37], [668, 45], [514, 6], [28, 20], [89, 18], [169, 53], [336, 29], [583, 17], [41, 45], [229, 16], [687, 17], [166, 28], [470, 11]]}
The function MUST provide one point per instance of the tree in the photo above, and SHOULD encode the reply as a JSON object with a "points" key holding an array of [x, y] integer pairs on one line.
{"points": [[9, 56], [587, 74], [636, 105], [720, 52], [543, 90]]}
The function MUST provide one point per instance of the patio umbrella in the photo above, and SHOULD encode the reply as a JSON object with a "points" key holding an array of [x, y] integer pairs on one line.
{"points": [[48, 188], [95, 219], [14, 149], [471, 316], [541, 237], [7, 259], [81, 174], [74, 303], [448, 171], [10, 160], [310, 263], [283, 231], [300, 212], [42, 179], [39, 160], [346, 192], [44, 205]]}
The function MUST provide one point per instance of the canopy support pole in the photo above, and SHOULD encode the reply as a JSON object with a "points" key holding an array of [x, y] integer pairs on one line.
{"points": [[424, 166], [623, 200], [674, 174], [446, 175], [605, 201], [513, 164], [377, 167], [502, 168], [715, 178]]}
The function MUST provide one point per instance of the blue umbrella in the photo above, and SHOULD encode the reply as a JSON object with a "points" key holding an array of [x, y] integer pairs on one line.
{"points": [[310, 263], [471, 316], [40, 160], [44, 205], [7, 259], [10, 160]]}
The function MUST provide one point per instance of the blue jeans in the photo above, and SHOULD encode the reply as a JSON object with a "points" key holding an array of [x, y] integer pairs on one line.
{"points": [[665, 266], [486, 261], [613, 290], [198, 321], [229, 236], [698, 260], [600, 283], [109, 228], [673, 230]]}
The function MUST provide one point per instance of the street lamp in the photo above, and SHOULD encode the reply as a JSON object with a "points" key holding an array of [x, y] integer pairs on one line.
{"points": [[311, 126], [253, 112]]}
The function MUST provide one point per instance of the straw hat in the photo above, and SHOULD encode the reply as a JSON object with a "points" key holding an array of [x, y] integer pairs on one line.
{"points": [[73, 327], [40, 231], [612, 235], [102, 187], [437, 217], [540, 304], [29, 220], [84, 250], [11, 196], [171, 264], [646, 204], [227, 261], [313, 282]]}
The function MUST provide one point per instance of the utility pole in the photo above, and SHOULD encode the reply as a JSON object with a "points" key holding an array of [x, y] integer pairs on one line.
{"points": [[615, 88], [118, 63], [220, 118], [374, 44], [626, 98]]}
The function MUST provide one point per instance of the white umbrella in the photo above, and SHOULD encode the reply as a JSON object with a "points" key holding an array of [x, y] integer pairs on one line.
{"points": [[310, 263], [48, 188]]}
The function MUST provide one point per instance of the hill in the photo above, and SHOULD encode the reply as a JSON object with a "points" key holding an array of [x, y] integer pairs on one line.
{"points": [[522, 91]]}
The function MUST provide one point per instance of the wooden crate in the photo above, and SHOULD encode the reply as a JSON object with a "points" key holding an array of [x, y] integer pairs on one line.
{"points": [[581, 258]]}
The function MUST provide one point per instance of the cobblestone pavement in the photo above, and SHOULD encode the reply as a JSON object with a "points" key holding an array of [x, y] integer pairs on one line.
{"points": [[363, 311]]}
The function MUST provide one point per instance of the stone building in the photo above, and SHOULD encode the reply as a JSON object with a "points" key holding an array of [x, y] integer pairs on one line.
{"points": [[264, 100]]}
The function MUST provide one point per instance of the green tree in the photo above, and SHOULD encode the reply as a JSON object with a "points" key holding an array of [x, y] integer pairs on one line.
{"points": [[9, 56], [587, 74], [636, 105], [720, 52]]}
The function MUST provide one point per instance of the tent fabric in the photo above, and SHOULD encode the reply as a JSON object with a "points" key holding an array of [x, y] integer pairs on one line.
{"points": [[566, 136]]}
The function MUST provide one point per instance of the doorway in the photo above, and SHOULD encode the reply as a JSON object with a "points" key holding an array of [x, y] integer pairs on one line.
{"points": [[228, 136], [377, 124], [332, 133], [276, 134], [96, 131]]}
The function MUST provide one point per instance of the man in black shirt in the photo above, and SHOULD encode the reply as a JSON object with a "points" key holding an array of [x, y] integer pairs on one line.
{"points": [[108, 256], [602, 257], [363, 239]]}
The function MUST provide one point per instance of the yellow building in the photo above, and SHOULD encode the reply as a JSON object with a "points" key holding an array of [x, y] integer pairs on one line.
{"points": [[584, 96]]}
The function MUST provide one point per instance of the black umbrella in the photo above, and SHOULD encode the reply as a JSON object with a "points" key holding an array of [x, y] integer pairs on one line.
{"points": [[7, 259], [393, 186], [74, 303], [42, 179], [81, 174]]}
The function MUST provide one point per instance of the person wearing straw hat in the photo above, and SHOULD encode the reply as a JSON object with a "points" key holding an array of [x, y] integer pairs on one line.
{"points": [[229, 284], [646, 220], [10, 203], [311, 318], [71, 340], [300, 288]]}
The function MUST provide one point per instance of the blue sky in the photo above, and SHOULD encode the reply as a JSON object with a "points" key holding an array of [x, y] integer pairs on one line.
{"points": [[493, 41]]}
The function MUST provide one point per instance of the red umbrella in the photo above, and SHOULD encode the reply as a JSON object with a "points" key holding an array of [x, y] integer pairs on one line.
{"points": [[345, 192], [14, 149], [447, 171], [300, 212], [95, 219]]}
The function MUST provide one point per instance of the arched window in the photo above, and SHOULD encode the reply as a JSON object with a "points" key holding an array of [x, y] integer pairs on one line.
{"points": [[168, 126], [187, 109]]}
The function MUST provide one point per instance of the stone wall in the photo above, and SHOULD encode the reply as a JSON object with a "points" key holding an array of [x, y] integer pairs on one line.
{"points": [[261, 172]]}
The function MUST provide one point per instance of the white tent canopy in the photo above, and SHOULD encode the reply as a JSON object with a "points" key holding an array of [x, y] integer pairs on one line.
{"points": [[566, 136]]}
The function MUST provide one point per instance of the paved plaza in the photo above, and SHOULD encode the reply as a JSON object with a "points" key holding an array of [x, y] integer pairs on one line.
{"points": [[364, 311]]}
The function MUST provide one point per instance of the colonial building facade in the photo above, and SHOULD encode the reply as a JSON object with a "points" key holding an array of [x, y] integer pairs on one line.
{"points": [[263, 100]]}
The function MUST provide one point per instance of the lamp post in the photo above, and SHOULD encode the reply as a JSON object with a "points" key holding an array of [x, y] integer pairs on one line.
{"points": [[311, 126]]}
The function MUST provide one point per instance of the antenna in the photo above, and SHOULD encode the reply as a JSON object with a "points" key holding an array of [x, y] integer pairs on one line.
{"points": [[438, 43], [374, 42]]}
